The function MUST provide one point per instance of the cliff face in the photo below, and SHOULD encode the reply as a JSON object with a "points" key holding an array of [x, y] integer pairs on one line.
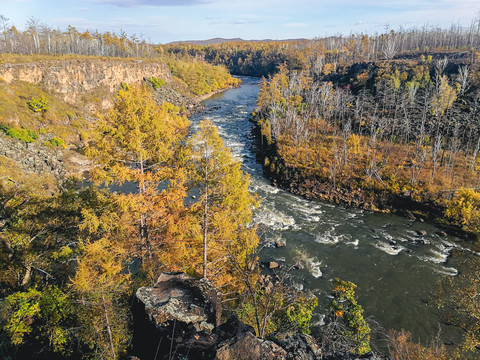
{"points": [[74, 77]]}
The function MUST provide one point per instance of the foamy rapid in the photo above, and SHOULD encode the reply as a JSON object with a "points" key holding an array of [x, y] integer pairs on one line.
{"points": [[273, 219], [328, 237], [389, 248]]}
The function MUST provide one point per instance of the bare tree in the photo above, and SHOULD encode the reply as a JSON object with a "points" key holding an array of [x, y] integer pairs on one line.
{"points": [[463, 79], [33, 27], [389, 46], [4, 26]]}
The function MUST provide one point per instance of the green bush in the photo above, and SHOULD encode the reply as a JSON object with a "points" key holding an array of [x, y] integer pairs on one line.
{"points": [[38, 105], [26, 135], [344, 307], [4, 128], [156, 82], [299, 313], [55, 141]]}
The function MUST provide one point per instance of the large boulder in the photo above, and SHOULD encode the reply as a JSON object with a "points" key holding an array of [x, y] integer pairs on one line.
{"points": [[177, 296], [298, 346], [249, 347], [176, 316]]}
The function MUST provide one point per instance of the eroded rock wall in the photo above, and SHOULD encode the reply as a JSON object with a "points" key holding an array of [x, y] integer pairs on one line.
{"points": [[74, 77]]}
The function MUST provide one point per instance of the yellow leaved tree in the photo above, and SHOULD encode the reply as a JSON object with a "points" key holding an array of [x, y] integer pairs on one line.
{"points": [[137, 144], [102, 285], [464, 208], [223, 211]]}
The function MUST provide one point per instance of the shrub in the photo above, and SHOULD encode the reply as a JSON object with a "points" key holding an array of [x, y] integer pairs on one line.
{"points": [[4, 128], [156, 82], [464, 208], [344, 307], [26, 135], [402, 348], [55, 141], [299, 313], [38, 105]]}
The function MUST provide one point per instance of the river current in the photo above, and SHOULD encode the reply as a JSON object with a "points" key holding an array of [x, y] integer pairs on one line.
{"points": [[395, 262]]}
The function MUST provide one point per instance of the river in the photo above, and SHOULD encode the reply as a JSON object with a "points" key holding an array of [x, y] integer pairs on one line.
{"points": [[395, 266]]}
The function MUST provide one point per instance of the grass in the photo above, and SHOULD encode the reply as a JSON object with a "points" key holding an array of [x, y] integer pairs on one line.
{"points": [[62, 120]]}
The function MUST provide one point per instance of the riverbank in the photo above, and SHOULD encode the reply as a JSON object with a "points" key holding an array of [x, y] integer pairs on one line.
{"points": [[190, 104], [302, 182]]}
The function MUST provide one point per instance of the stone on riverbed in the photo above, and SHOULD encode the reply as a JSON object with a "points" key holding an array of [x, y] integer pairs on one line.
{"points": [[272, 265], [280, 243]]}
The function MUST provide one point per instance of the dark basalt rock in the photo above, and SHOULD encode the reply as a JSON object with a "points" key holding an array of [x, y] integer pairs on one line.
{"points": [[298, 346]]}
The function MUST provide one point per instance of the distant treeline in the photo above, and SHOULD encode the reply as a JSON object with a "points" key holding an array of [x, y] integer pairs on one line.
{"points": [[38, 38], [241, 57], [263, 58]]}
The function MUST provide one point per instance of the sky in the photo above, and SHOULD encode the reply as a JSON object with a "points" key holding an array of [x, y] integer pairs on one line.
{"points": [[163, 21]]}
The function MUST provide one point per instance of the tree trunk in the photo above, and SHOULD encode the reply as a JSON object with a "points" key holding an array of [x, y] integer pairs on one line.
{"points": [[205, 225], [109, 330], [143, 217]]}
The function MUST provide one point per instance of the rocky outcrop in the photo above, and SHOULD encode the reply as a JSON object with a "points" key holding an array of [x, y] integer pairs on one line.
{"points": [[298, 346], [249, 347], [32, 157], [176, 316], [167, 94], [179, 318], [177, 296], [77, 76], [39, 159]]}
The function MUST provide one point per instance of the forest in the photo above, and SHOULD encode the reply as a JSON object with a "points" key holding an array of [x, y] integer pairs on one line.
{"points": [[369, 121]]}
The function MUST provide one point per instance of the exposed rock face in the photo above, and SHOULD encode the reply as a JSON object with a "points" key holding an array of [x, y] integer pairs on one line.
{"points": [[74, 77], [177, 314], [249, 347], [166, 94], [177, 296], [178, 318], [298, 346], [32, 157]]}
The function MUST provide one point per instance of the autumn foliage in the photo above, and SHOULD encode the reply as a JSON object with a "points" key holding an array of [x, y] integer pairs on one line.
{"points": [[71, 260], [378, 132]]}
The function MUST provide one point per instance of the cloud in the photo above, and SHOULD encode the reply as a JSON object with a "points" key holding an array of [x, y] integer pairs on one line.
{"points": [[245, 22], [140, 3], [295, 25]]}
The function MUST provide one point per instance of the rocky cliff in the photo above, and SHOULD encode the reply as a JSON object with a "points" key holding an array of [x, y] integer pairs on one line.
{"points": [[74, 77], [180, 318]]}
